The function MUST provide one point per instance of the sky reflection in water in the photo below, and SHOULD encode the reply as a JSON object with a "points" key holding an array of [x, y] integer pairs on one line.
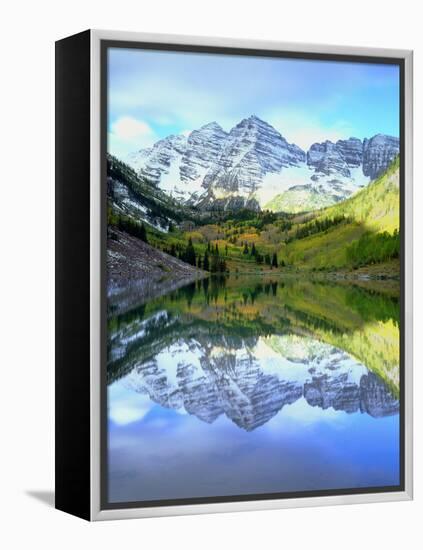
{"points": [[251, 395]]}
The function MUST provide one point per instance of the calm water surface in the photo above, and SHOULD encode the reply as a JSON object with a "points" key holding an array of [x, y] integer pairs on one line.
{"points": [[249, 386]]}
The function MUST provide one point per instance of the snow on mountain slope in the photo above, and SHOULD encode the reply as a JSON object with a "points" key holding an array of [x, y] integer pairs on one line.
{"points": [[254, 166], [252, 380]]}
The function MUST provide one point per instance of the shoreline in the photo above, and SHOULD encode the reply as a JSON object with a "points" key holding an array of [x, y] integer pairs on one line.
{"points": [[138, 292], [138, 272]]}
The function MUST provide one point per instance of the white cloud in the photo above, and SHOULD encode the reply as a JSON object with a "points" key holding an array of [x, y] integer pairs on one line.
{"points": [[129, 134], [126, 405], [128, 128]]}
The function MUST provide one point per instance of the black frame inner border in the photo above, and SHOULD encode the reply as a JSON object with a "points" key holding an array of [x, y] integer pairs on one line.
{"points": [[249, 52]]}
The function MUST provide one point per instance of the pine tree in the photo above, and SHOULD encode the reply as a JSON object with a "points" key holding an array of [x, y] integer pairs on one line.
{"points": [[199, 262], [190, 254], [267, 260], [226, 249], [245, 249], [206, 265], [173, 250], [274, 260], [253, 250], [214, 264]]}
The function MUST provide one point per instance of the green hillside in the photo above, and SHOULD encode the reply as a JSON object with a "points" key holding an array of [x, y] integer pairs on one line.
{"points": [[368, 234], [376, 206], [360, 232]]}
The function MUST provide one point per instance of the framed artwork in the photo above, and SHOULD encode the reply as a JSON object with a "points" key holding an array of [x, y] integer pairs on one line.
{"points": [[233, 275]]}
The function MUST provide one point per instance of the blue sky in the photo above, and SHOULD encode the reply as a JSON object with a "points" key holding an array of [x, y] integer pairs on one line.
{"points": [[153, 94]]}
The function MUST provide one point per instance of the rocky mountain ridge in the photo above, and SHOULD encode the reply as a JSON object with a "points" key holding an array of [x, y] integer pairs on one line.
{"points": [[250, 383], [252, 164]]}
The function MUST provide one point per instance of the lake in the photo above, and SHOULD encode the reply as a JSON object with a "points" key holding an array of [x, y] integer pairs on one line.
{"points": [[241, 386]]}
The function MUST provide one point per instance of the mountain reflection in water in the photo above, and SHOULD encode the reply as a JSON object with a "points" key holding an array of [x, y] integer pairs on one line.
{"points": [[243, 351]]}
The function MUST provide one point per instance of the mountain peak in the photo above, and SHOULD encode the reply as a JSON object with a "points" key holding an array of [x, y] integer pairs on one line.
{"points": [[254, 161], [351, 139], [213, 125], [382, 137], [209, 129], [378, 152], [255, 121], [172, 139]]}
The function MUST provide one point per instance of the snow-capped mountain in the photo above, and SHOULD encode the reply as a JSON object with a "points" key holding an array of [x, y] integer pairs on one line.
{"points": [[254, 165], [340, 169], [250, 380], [378, 152], [252, 150]]}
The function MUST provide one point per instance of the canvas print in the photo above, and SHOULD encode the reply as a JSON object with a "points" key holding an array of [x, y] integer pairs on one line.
{"points": [[253, 276]]}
